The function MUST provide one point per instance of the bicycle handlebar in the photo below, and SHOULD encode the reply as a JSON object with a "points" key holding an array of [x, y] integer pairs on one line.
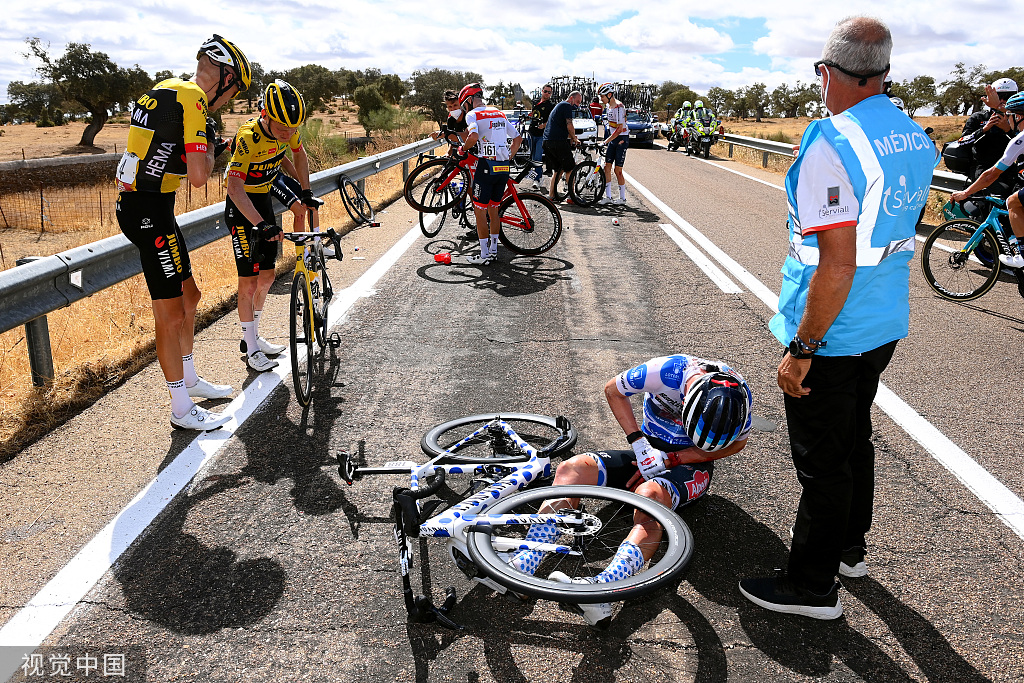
{"points": [[405, 502]]}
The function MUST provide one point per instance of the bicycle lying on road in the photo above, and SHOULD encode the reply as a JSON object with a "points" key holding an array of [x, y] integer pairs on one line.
{"points": [[356, 203], [506, 454], [530, 223], [960, 258]]}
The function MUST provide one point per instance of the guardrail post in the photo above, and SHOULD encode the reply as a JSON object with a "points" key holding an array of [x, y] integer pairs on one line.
{"points": [[405, 170], [37, 337], [764, 160], [730, 149], [361, 184]]}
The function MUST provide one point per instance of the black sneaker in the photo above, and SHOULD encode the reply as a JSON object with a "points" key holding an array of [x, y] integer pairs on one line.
{"points": [[851, 563], [779, 594]]}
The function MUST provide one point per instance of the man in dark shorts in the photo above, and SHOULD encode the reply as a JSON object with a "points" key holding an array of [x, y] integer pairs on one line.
{"points": [[171, 139], [538, 123], [695, 411], [559, 137]]}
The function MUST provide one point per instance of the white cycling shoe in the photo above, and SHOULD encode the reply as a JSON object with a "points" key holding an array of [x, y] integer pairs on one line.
{"points": [[200, 419], [605, 201], [480, 260], [204, 389], [270, 348], [260, 363], [597, 614]]}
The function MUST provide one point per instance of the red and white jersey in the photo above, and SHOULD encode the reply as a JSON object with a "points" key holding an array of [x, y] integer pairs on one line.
{"points": [[495, 131], [615, 117]]}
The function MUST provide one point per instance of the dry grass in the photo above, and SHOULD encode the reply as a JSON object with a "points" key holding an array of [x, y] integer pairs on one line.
{"points": [[100, 341]]}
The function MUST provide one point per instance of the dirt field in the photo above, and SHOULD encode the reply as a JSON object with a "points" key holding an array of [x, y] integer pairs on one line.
{"points": [[37, 143], [945, 128]]}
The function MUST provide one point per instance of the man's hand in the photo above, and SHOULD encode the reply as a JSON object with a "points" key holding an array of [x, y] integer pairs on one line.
{"points": [[959, 196], [309, 200], [220, 146], [992, 98], [270, 232], [998, 120], [791, 375], [649, 460]]}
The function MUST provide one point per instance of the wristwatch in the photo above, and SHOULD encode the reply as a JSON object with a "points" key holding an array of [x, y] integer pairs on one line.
{"points": [[800, 350]]}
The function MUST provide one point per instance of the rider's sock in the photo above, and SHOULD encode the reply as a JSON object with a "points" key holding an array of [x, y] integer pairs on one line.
{"points": [[256, 322], [483, 246], [608, 190], [527, 561], [493, 245], [627, 561], [180, 401], [190, 370], [622, 192], [249, 334]]}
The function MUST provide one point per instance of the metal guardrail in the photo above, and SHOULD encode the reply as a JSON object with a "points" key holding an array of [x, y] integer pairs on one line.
{"points": [[46, 284], [942, 181]]}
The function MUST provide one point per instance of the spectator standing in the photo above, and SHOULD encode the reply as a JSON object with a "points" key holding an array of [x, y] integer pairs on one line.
{"points": [[171, 138], [538, 122], [845, 302], [559, 134], [992, 132]]}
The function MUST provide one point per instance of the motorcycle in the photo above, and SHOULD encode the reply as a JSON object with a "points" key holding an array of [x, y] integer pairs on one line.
{"points": [[702, 133], [678, 136]]}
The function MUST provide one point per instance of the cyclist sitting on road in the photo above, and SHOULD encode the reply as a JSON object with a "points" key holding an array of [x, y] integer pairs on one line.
{"points": [[497, 141], [1015, 202], [172, 139], [251, 175], [557, 136], [695, 412], [618, 142]]}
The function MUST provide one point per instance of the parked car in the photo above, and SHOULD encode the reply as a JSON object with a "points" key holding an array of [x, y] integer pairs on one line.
{"points": [[643, 128], [586, 127]]}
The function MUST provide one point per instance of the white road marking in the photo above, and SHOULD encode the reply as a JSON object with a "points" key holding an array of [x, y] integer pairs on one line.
{"points": [[701, 261], [36, 620], [1007, 506]]}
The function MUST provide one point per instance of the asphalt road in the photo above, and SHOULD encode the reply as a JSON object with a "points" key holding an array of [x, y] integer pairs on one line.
{"points": [[268, 567]]}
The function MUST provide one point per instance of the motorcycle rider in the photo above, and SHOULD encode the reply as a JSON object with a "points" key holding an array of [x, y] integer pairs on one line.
{"points": [[992, 132], [703, 114], [681, 120]]}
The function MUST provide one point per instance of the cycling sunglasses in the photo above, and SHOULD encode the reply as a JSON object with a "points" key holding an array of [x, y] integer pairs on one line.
{"points": [[863, 77]]}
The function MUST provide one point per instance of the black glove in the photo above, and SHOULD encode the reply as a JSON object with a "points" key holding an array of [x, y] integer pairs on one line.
{"points": [[221, 145], [267, 230], [309, 200], [211, 132]]}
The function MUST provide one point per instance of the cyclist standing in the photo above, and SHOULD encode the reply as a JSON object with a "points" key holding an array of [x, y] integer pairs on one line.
{"points": [[497, 141], [538, 122], [259, 154], [171, 138], [695, 411], [1015, 202], [618, 142]]}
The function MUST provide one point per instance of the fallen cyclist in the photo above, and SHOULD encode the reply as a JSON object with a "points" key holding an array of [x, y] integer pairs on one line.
{"points": [[695, 412]]}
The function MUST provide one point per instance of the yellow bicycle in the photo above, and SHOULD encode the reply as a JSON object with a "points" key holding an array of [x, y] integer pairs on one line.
{"points": [[311, 295]]}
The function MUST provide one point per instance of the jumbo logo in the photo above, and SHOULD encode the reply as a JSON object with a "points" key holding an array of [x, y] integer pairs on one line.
{"points": [[147, 102], [160, 242]]}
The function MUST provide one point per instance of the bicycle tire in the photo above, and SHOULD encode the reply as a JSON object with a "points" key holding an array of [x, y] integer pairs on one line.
{"points": [[537, 430], [584, 190], [436, 174], [532, 234], [431, 230], [301, 337], [953, 274], [356, 203], [613, 508]]}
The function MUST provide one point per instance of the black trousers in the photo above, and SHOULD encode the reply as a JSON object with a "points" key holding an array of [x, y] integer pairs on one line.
{"points": [[830, 435]]}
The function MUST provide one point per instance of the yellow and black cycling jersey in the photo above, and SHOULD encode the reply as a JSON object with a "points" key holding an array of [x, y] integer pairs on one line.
{"points": [[258, 155], [167, 122]]}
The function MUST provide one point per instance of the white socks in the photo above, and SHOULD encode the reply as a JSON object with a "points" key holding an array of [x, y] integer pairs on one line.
{"points": [[249, 334], [181, 403], [190, 371]]}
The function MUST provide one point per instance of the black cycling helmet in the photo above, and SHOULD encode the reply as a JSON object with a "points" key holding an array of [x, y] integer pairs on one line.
{"points": [[1015, 105], [284, 104], [226, 55], [715, 410]]}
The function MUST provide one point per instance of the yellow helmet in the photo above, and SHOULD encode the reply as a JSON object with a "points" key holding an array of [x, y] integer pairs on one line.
{"points": [[226, 54], [284, 104]]}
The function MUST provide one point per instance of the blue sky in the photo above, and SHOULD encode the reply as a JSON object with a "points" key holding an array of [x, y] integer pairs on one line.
{"points": [[728, 44]]}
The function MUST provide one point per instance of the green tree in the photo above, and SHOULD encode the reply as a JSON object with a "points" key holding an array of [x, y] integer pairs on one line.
{"points": [[392, 87], [371, 103], [675, 98], [92, 80], [721, 100], [428, 89], [758, 100], [348, 81], [318, 84], [1014, 73], [31, 101], [162, 75], [915, 94], [259, 84], [963, 91]]}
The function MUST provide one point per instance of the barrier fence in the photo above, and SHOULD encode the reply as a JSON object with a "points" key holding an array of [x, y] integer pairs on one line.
{"points": [[38, 286]]}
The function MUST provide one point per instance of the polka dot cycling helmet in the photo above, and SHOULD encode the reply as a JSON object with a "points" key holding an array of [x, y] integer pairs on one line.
{"points": [[715, 410]]}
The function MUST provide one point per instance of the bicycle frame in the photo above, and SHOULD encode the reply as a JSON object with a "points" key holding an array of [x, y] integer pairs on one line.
{"points": [[991, 221], [455, 522]]}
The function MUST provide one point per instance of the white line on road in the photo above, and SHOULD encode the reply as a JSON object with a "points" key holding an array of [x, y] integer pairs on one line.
{"points": [[36, 620], [703, 262], [1007, 506]]}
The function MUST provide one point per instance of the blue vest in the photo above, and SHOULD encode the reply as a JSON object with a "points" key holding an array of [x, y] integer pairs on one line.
{"points": [[889, 161]]}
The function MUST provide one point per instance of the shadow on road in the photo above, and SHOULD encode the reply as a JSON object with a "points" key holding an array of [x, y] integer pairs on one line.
{"points": [[510, 275]]}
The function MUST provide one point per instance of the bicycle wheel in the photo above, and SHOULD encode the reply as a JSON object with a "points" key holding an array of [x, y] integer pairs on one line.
{"points": [[954, 273], [440, 175], [355, 201], [586, 183], [301, 339], [533, 233], [430, 229], [607, 516], [537, 430]]}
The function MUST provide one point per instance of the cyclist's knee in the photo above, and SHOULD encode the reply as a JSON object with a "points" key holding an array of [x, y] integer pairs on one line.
{"points": [[1013, 202], [579, 469], [655, 491], [190, 294]]}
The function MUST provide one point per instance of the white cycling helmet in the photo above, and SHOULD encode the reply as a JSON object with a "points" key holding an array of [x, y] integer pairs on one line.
{"points": [[1005, 85], [898, 102], [606, 89]]}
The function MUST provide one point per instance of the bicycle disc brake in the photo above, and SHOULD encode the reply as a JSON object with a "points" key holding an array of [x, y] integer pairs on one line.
{"points": [[586, 524]]}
